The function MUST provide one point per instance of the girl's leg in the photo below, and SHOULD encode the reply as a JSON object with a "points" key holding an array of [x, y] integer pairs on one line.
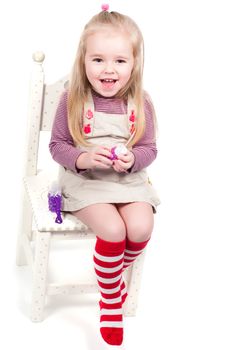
{"points": [[139, 220], [106, 222]]}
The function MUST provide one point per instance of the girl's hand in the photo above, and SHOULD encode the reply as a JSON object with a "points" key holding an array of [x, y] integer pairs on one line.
{"points": [[96, 158], [124, 162]]}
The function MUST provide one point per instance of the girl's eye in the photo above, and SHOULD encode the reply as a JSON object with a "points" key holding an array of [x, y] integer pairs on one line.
{"points": [[121, 61], [98, 60]]}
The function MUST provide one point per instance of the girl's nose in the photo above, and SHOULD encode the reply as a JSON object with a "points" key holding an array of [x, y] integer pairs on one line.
{"points": [[109, 68]]}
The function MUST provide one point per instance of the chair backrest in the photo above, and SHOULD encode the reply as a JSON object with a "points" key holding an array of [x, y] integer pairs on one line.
{"points": [[43, 101]]}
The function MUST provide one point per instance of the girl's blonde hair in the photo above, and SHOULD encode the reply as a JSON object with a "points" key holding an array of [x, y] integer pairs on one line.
{"points": [[79, 84]]}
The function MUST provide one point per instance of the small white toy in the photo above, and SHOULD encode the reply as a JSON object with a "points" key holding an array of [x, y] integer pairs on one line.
{"points": [[117, 150]]}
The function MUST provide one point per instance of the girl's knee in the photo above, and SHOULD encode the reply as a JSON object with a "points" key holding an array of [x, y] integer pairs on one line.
{"points": [[113, 232], [140, 232]]}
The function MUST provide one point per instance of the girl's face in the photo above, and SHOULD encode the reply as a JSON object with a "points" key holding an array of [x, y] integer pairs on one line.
{"points": [[108, 61]]}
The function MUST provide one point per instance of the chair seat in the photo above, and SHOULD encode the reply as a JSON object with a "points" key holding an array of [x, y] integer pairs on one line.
{"points": [[37, 188]]}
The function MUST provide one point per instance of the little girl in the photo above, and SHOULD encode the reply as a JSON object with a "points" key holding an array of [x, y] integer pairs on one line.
{"points": [[104, 138]]}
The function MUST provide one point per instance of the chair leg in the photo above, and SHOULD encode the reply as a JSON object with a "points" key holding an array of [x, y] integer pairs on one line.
{"points": [[133, 286], [42, 245], [25, 229]]}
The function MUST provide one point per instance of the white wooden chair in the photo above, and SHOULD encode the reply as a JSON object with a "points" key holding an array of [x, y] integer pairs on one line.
{"points": [[38, 226]]}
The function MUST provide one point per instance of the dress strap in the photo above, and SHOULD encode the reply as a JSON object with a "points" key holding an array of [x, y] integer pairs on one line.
{"points": [[88, 115], [131, 115]]}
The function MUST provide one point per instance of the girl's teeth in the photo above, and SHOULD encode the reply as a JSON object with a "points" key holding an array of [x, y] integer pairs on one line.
{"points": [[108, 83]]}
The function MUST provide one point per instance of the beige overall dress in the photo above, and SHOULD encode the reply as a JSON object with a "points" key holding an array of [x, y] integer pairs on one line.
{"points": [[105, 185]]}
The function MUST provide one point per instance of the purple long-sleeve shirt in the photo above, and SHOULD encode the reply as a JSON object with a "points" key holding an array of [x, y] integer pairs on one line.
{"points": [[62, 146]]}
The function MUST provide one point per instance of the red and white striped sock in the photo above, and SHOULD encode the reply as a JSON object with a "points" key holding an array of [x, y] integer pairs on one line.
{"points": [[108, 263], [133, 250], [123, 290]]}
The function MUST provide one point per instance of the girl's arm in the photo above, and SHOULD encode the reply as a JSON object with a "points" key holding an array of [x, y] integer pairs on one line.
{"points": [[61, 145], [145, 150]]}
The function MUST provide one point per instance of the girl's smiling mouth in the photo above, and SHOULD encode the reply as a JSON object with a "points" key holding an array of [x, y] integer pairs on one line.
{"points": [[108, 83]]}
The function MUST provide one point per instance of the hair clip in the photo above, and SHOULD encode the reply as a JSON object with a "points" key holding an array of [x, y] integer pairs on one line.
{"points": [[105, 7]]}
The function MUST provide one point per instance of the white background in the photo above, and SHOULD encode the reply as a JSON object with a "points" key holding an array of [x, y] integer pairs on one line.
{"points": [[185, 301]]}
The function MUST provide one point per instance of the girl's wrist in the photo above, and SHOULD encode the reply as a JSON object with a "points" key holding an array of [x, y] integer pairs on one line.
{"points": [[81, 162], [133, 158]]}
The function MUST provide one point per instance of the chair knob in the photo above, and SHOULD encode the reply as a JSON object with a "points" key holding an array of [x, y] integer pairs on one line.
{"points": [[38, 56]]}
